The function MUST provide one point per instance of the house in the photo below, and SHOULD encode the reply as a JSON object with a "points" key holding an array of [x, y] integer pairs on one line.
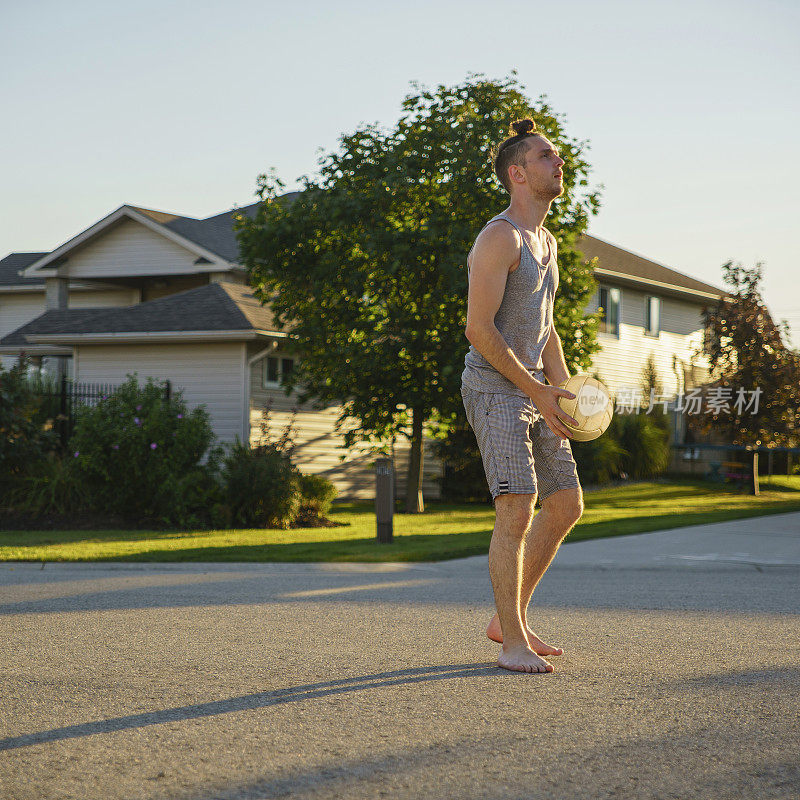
{"points": [[162, 295]]}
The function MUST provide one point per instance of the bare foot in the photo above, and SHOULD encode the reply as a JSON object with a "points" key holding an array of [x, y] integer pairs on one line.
{"points": [[522, 659], [495, 633]]}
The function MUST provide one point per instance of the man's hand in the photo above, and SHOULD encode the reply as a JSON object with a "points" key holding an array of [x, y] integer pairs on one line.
{"points": [[545, 398]]}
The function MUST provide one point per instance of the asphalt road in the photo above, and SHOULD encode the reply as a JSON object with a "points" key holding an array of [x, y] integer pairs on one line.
{"points": [[680, 677]]}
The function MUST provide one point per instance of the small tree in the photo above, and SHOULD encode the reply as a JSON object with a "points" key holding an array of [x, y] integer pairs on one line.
{"points": [[746, 350], [756, 376]]}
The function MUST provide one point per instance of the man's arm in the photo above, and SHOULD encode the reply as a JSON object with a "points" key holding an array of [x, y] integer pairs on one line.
{"points": [[555, 367]]}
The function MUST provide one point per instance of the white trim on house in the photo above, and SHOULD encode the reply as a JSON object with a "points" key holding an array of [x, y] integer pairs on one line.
{"points": [[139, 336], [73, 285], [37, 269], [34, 350], [649, 282]]}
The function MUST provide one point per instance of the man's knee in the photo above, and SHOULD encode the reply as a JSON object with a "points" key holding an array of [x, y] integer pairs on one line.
{"points": [[515, 512], [566, 505]]}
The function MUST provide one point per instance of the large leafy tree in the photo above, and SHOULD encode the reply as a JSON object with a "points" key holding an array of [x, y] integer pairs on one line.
{"points": [[748, 354], [366, 265]]}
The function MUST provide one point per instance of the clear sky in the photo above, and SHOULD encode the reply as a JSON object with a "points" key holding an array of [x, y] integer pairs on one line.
{"points": [[691, 109]]}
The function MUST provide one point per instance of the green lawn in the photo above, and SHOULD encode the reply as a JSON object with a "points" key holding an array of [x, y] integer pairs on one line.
{"points": [[443, 531]]}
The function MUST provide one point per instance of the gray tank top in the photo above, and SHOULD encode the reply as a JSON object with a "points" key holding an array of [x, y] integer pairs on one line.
{"points": [[523, 319]]}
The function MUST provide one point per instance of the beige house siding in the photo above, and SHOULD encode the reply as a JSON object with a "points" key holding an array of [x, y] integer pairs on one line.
{"points": [[101, 299], [318, 447], [129, 248], [622, 359], [208, 373]]}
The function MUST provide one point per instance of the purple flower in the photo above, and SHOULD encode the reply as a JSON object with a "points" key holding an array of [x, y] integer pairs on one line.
{"points": [[115, 446], [138, 408], [121, 414], [136, 420], [180, 416], [77, 453], [153, 445], [174, 433], [104, 397]]}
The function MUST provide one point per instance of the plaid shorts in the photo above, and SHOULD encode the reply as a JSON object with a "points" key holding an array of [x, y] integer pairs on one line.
{"points": [[521, 455]]}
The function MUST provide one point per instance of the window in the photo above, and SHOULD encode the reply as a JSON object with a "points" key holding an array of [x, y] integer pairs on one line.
{"points": [[275, 369], [609, 306], [652, 315]]}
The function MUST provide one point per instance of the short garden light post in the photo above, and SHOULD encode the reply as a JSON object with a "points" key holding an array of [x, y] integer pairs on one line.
{"points": [[384, 498]]}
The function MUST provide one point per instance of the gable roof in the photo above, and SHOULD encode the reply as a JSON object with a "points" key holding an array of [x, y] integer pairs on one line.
{"points": [[616, 263], [228, 308], [213, 233], [213, 236]]}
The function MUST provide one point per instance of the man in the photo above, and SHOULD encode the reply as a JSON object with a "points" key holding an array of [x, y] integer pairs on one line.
{"points": [[524, 444]]}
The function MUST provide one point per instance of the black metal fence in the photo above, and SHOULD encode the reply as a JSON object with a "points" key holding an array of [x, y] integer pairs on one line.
{"points": [[62, 400]]}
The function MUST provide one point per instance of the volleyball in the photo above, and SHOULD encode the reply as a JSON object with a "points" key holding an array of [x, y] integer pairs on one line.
{"points": [[592, 407]]}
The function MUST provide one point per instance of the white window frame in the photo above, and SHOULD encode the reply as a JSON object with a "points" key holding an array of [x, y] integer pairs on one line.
{"points": [[647, 322], [609, 289], [279, 358]]}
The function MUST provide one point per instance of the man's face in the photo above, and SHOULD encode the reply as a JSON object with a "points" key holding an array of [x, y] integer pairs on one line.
{"points": [[542, 169]]}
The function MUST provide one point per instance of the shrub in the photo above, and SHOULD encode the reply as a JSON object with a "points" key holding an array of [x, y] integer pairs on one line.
{"points": [[50, 485], [140, 454], [645, 442], [262, 487], [317, 494], [24, 440]]}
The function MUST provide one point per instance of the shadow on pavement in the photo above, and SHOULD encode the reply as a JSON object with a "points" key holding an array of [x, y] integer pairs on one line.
{"points": [[259, 700]]}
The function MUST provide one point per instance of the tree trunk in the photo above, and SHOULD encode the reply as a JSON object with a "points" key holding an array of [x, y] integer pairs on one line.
{"points": [[414, 500]]}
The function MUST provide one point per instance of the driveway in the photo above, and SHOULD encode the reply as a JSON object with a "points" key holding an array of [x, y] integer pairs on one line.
{"points": [[680, 676]]}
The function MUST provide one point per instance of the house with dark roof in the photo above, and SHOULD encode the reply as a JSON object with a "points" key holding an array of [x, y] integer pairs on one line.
{"points": [[162, 295]]}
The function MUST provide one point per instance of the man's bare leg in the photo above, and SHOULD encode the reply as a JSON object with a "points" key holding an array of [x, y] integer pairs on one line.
{"points": [[514, 512], [558, 515]]}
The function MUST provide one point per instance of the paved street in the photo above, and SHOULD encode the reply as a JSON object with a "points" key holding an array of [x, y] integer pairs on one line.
{"points": [[680, 677]]}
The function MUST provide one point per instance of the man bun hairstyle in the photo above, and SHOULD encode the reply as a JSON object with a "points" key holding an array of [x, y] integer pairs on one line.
{"points": [[513, 149]]}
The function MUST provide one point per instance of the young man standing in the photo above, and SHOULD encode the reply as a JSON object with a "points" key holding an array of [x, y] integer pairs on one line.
{"points": [[524, 444]]}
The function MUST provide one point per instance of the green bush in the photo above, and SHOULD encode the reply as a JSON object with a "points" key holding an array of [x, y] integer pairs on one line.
{"points": [[50, 485], [317, 493], [262, 487], [140, 454], [645, 442], [24, 438]]}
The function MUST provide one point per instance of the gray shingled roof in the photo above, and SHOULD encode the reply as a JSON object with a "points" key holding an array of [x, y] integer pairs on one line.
{"points": [[615, 258], [214, 307], [11, 264]]}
